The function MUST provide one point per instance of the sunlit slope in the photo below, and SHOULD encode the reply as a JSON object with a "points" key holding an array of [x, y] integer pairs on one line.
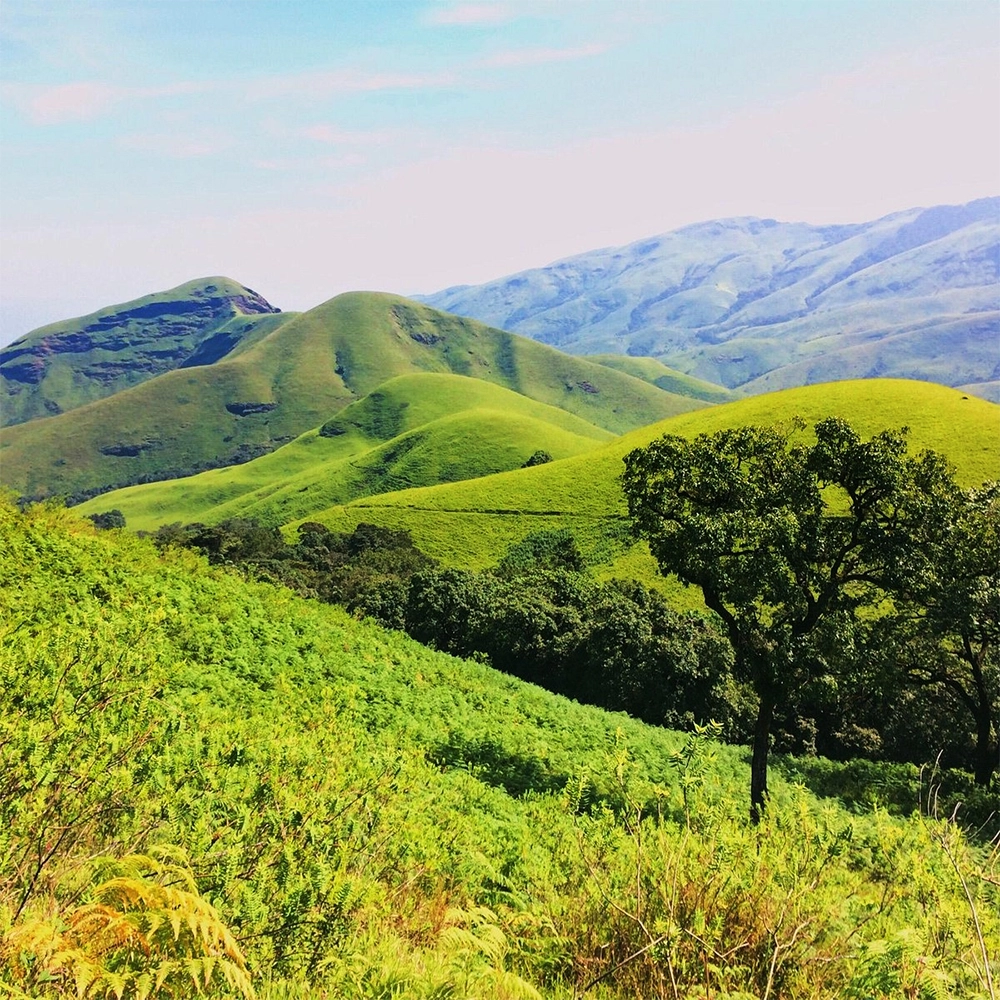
{"points": [[344, 794], [295, 379], [368, 337], [64, 365], [654, 371], [415, 430], [473, 523]]}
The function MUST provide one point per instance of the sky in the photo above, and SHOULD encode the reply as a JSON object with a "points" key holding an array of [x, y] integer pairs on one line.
{"points": [[310, 148]]}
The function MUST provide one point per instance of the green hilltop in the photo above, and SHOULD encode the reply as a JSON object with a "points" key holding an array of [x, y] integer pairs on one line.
{"points": [[65, 365], [655, 372], [473, 523], [414, 430], [296, 378]]}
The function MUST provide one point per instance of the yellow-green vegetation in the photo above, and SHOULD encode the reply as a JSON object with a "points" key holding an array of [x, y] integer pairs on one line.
{"points": [[472, 523], [342, 813], [670, 379], [415, 430], [295, 379]]}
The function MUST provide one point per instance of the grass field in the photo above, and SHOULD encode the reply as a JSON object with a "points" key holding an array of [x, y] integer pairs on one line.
{"points": [[374, 819], [655, 372], [472, 523], [295, 379], [414, 430]]}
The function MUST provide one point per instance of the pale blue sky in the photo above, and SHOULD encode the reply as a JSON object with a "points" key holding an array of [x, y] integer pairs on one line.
{"points": [[308, 148]]}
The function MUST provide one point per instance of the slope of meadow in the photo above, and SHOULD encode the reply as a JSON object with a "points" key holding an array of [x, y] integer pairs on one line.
{"points": [[414, 430], [372, 819], [657, 373], [294, 379], [472, 524]]}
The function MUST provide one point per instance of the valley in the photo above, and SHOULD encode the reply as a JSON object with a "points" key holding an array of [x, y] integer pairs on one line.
{"points": [[393, 699]]}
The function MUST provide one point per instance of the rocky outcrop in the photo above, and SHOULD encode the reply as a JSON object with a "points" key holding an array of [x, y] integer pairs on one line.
{"points": [[196, 324]]}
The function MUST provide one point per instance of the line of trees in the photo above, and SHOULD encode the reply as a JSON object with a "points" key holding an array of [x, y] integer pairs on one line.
{"points": [[854, 591]]}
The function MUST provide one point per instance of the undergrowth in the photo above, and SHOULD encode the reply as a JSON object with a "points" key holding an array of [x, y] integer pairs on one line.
{"points": [[213, 787]]}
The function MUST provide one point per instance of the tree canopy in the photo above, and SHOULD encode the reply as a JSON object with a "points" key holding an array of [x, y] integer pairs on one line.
{"points": [[786, 541]]}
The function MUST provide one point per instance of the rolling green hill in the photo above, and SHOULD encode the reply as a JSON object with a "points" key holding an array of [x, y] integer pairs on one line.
{"points": [[65, 365], [472, 524], [415, 430], [655, 372], [296, 378], [368, 818]]}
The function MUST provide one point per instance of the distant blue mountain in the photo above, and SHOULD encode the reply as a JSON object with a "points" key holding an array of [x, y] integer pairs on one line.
{"points": [[762, 305]]}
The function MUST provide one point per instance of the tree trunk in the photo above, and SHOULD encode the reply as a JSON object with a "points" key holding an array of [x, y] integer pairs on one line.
{"points": [[758, 764], [982, 711], [986, 750]]}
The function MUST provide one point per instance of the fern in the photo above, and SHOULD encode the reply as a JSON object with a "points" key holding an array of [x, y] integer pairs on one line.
{"points": [[139, 936]]}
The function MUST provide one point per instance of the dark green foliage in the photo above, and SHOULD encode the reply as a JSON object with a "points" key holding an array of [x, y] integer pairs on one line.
{"points": [[615, 645], [542, 550], [365, 571], [234, 542], [539, 457], [113, 518], [786, 543], [942, 639]]}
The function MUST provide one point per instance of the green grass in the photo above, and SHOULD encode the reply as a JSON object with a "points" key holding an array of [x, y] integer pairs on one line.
{"points": [[349, 801], [655, 372], [471, 524], [415, 430], [307, 370]]}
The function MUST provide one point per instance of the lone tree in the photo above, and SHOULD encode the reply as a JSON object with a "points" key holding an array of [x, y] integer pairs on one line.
{"points": [[785, 541]]}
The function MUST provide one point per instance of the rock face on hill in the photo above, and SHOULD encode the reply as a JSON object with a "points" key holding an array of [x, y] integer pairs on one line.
{"points": [[68, 364], [764, 305]]}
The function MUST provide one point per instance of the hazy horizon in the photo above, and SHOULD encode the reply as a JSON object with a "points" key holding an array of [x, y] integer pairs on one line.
{"points": [[307, 149]]}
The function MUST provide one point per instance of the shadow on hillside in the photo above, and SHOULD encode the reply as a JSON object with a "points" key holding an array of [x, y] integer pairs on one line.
{"points": [[492, 763], [901, 789]]}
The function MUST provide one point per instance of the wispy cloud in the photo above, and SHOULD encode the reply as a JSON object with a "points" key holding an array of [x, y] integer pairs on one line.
{"points": [[333, 136], [299, 164], [470, 14], [542, 56], [86, 100], [83, 100], [343, 81]]}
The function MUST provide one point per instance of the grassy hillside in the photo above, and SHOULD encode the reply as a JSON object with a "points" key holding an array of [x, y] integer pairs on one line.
{"points": [[67, 364], [655, 372], [296, 378], [415, 430], [371, 819], [473, 523]]}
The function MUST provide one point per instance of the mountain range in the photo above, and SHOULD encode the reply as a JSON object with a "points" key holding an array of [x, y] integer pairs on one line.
{"points": [[759, 305], [370, 393], [285, 377]]}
